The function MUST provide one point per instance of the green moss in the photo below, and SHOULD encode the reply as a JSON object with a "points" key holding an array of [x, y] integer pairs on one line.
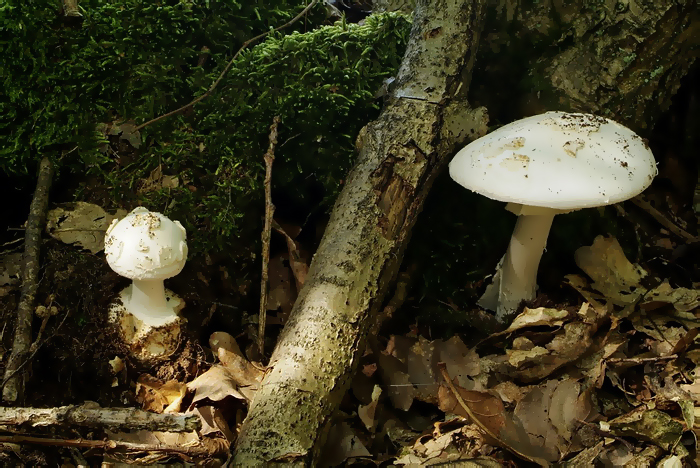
{"points": [[131, 61]]}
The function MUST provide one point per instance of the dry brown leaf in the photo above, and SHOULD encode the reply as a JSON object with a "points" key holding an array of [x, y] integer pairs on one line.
{"points": [[399, 387], [422, 367], [648, 424], [682, 299], [612, 274], [158, 396], [536, 317], [533, 413], [127, 131], [281, 293], [216, 384], [461, 362], [342, 445], [157, 181], [297, 260], [227, 350], [82, 224], [487, 408], [213, 421], [456, 446], [367, 412]]}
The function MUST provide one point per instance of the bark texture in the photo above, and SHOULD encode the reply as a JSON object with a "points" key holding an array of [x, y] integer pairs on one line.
{"points": [[15, 371], [424, 120], [86, 415], [623, 59]]}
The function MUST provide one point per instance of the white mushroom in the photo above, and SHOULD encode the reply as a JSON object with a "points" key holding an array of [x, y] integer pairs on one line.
{"points": [[147, 248], [544, 165]]}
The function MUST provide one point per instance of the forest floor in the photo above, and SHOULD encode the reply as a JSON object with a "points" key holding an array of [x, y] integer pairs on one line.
{"points": [[603, 368]]}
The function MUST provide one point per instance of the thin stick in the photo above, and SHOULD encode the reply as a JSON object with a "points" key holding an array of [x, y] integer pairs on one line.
{"points": [[14, 385], [114, 419], [204, 449], [229, 65], [269, 212], [661, 219]]}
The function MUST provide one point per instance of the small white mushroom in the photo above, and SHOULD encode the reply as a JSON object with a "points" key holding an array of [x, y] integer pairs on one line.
{"points": [[147, 248], [543, 165]]}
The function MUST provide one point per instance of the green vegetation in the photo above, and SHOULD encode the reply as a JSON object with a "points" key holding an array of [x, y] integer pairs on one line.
{"points": [[67, 89]]}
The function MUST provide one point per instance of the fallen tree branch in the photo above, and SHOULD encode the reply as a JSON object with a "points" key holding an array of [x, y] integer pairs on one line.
{"points": [[109, 418], [14, 382], [401, 153]]}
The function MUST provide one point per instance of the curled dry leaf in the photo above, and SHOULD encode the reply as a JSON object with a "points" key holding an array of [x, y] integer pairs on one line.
{"points": [[235, 376], [158, 396]]}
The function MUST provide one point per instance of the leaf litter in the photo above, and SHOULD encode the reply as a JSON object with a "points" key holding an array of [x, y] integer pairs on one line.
{"points": [[612, 381]]}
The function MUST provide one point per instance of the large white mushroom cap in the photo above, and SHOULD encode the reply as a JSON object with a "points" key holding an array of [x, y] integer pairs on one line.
{"points": [[557, 160], [146, 246]]}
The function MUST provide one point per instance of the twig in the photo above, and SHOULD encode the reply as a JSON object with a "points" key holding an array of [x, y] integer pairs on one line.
{"points": [[269, 212], [93, 416], [14, 387], [204, 449], [661, 219], [33, 349], [229, 65]]}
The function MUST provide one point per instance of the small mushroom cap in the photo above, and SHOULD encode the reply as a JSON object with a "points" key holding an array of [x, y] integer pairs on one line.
{"points": [[146, 246], [557, 160]]}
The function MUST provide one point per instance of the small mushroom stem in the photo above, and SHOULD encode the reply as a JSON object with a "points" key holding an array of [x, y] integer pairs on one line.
{"points": [[148, 302], [519, 269]]}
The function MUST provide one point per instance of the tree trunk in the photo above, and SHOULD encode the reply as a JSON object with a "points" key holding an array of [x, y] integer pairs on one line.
{"points": [[400, 155], [619, 59]]}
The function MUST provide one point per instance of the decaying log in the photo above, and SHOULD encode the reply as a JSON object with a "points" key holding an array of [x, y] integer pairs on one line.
{"points": [[425, 119], [113, 419], [16, 368]]}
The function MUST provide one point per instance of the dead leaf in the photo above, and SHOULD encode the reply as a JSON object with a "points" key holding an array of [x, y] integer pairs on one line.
{"points": [[367, 412], [612, 274], [217, 384], [297, 261], [648, 424], [158, 396], [127, 131], [461, 362], [281, 294], [399, 387], [156, 180], [342, 445], [226, 349], [82, 224]]}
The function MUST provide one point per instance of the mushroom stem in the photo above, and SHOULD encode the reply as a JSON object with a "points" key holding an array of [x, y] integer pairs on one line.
{"points": [[517, 279], [147, 302]]}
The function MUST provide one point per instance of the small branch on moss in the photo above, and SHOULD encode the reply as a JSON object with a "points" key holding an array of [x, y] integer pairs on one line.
{"points": [[229, 65], [269, 212], [13, 389]]}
